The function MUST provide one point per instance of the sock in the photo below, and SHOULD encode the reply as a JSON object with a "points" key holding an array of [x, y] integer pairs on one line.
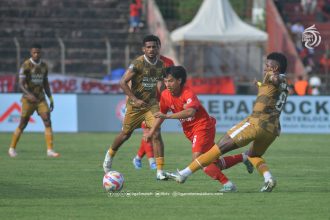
{"points": [[260, 164], [245, 157], [185, 172], [229, 161], [267, 176], [151, 160], [16, 135], [112, 153], [215, 173], [141, 152], [49, 138], [160, 163], [205, 159], [149, 149], [138, 157]]}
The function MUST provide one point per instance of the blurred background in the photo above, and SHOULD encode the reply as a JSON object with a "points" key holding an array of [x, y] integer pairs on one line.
{"points": [[222, 43]]}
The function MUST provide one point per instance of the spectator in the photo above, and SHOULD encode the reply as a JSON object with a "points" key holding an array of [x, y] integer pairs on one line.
{"points": [[325, 59], [297, 30], [315, 84], [308, 6], [134, 17], [301, 86]]}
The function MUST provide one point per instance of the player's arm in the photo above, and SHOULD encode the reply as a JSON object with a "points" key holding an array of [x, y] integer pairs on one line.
{"points": [[276, 79], [125, 86], [147, 136], [186, 113], [22, 83], [48, 92]]}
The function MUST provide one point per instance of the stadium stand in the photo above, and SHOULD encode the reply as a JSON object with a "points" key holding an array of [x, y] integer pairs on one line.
{"points": [[82, 25]]}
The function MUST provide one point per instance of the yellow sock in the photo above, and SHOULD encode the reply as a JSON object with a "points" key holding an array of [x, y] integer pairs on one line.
{"points": [[112, 152], [15, 138], [160, 163], [259, 163], [49, 138], [205, 159]]}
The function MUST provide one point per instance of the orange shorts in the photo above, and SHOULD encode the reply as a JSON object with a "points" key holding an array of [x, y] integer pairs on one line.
{"points": [[135, 116], [28, 107]]}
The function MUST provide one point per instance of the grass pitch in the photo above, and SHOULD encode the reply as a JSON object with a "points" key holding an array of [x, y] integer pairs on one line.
{"points": [[33, 186]]}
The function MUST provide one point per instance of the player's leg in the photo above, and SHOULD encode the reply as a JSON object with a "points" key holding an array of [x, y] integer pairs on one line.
{"points": [[228, 161], [132, 120], [257, 149], [44, 113], [158, 144], [27, 110], [141, 152], [150, 155], [148, 149], [236, 137], [202, 141]]}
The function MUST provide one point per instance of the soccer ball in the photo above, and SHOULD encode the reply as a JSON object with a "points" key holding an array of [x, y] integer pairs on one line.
{"points": [[113, 181]]}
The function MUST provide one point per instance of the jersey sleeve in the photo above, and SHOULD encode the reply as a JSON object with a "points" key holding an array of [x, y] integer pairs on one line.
{"points": [[24, 70], [191, 100], [163, 104], [135, 66]]}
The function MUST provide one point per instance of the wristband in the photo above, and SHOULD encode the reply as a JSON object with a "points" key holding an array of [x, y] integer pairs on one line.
{"points": [[51, 99]]}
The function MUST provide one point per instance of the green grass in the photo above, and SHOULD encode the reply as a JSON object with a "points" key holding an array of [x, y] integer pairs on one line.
{"points": [[33, 186]]}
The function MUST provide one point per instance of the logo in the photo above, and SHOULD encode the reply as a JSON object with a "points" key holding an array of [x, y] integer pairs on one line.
{"points": [[312, 37], [15, 118], [121, 110]]}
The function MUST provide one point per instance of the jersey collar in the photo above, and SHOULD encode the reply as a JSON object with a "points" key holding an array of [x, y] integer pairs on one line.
{"points": [[32, 61], [148, 61]]}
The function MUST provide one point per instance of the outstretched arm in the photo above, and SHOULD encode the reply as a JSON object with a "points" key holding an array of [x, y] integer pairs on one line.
{"points": [[187, 113], [147, 136]]}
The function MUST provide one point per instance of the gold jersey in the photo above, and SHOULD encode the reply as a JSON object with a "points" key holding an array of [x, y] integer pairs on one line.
{"points": [[269, 104], [34, 74], [144, 81]]}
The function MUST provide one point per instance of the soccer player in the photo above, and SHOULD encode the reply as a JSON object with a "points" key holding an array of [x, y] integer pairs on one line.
{"points": [[146, 146], [33, 81], [145, 75], [197, 125], [261, 127]]}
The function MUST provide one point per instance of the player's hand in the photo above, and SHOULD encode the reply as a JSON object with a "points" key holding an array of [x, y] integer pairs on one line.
{"points": [[160, 115], [31, 98], [257, 83], [139, 103], [147, 136], [51, 106]]}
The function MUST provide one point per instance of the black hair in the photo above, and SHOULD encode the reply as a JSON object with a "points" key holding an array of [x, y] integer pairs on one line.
{"points": [[178, 72], [35, 45], [280, 59], [149, 38]]}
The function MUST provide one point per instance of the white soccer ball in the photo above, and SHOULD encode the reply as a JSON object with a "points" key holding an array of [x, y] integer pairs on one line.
{"points": [[113, 181]]}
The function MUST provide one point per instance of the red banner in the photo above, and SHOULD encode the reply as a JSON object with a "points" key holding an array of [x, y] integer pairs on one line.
{"points": [[7, 83]]}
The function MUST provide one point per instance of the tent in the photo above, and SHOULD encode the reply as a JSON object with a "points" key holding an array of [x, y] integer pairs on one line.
{"points": [[218, 42]]}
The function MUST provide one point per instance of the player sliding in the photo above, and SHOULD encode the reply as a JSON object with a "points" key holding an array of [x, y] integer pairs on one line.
{"points": [[261, 127], [197, 125]]}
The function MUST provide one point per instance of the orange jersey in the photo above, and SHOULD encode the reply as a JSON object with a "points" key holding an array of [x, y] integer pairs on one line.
{"points": [[144, 81], [34, 74], [269, 104]]}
